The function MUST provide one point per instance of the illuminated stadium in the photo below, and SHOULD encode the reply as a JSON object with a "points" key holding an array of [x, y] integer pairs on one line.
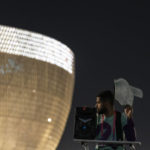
{"points": [[36, 88]]}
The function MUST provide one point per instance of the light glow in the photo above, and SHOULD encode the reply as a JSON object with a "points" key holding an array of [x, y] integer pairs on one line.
{"points": [[49, 119], [25, 43]]}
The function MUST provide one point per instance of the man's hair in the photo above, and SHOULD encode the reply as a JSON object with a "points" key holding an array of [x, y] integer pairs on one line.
{"points": [[106, 95]]}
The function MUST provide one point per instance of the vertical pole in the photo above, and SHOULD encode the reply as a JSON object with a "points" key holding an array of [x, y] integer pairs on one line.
{"points": [[84, 146], [132, 147]]}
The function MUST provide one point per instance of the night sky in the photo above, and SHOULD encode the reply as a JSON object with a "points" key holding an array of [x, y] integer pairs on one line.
{"points": [[110, 39]]}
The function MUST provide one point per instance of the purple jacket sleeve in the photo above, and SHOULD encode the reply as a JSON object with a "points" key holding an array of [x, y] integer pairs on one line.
{"points": [[129, 130]]}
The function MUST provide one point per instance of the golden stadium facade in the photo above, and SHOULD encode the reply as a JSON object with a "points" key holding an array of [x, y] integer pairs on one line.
{"points": [[36, 88]]}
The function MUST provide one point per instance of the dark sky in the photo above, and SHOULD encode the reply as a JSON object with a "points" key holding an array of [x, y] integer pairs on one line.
{"points": [[110, 39]]}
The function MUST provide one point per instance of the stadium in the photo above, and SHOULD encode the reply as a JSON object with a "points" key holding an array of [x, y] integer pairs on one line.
{"points": [[36, 87]]}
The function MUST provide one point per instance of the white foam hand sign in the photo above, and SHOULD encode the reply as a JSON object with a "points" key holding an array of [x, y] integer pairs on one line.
{"points": [[124, 93]]}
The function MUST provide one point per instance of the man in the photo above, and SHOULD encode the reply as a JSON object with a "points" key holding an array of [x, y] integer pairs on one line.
{"points": [[110, 123]]}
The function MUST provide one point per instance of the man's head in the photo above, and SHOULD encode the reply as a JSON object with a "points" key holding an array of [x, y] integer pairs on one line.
{"points": [[104, 101]]}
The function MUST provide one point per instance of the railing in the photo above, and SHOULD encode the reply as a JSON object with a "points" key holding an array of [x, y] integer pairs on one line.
{"points": [[85, 143]]}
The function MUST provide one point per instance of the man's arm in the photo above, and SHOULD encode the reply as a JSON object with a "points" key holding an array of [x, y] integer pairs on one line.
{"points": [[128, 124]]}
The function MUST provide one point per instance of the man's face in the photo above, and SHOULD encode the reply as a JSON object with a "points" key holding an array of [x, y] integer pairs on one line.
{"points": [[98, 103], [101, 108]]}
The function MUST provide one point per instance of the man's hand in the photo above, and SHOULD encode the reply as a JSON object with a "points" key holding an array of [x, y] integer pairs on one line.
{"points": [[128, 110]]}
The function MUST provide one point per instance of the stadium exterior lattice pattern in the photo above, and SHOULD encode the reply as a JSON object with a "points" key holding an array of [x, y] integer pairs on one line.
{"points": [[36, 87]]}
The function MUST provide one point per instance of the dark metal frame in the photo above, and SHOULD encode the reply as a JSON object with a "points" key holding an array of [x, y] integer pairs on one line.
{"points": [[85, 143]]}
